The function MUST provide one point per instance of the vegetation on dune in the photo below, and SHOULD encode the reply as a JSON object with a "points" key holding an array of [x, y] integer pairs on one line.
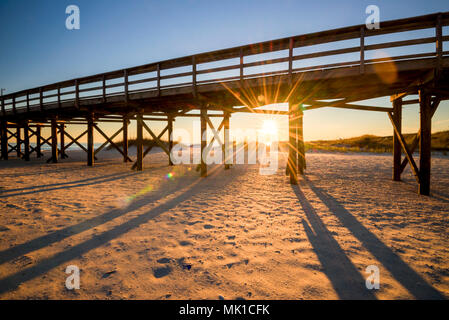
{"points": [[371, 143], [146, 143]]}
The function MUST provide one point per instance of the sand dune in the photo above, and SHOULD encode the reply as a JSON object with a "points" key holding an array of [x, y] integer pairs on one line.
{"points": [[235, 234]]}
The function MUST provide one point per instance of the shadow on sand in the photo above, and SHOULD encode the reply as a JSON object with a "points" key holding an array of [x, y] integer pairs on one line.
{"points": [[323, 243], [13, 281]]}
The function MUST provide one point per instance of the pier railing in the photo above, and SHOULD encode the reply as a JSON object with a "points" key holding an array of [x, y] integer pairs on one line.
{"points": [[349, 48]]}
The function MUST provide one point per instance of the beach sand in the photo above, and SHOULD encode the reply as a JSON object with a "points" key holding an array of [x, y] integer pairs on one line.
{"points": [[234, 234]]}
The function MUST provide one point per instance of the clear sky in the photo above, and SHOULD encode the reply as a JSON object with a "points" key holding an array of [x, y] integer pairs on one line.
{"points": [[37, 48]]}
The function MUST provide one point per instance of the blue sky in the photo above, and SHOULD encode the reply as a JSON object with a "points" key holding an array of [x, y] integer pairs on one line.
{"points": [[37, 49]]}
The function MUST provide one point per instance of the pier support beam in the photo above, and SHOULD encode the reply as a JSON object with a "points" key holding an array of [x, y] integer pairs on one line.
{"points": [[425, 143], [139, 142], [26, 142], [125, 139], [62, 141], [170, 139], [203, 165], [18, 142], [90, 140], [4, 142], [300, 142], [38, 142], [397, 150], [228, 154], [54, 140], [292, 151]]}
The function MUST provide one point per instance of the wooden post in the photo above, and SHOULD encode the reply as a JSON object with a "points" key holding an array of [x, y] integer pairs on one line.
{"points": [[203, 165], [19, 142], [125, 139], [26, 141], [54, 140], [139, 145], [62, 142], [301, 154], [234, 151], [362, 49], [425, 143], [397, 150], [4, 136], [170, 139], [292, 152], [38, 141], [90, 140], [245, 151]]}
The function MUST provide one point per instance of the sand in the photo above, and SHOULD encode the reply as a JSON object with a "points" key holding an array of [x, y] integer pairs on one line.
{"points": [[235, 234]]}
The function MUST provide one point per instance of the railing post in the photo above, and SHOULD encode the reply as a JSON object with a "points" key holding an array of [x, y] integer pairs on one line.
{"points": [[439, 45], [125, 80], [158, 80], [14, 104], [59, 97], [77, 94], [241, 65], [194, 77], [290, 61], [104, 88], [362, 49], [28, 101], [41, 99]]}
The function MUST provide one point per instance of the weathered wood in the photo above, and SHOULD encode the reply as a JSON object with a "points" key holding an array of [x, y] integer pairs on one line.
{"points": [[425, 137], [227, 154], [26, 142], [397, 118], [362, 49], [54, 140], [139, 142], [125, 139], [4, 140], [292, 151], [18, 142], [38, 141], [170, 139], [405, 148], [90, 140], [203, 165], [62, 147], [300, 142]]}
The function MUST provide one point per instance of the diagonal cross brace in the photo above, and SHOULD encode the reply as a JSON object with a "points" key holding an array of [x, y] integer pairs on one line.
{"points": [[150, 147], [415, 141], [109, 140], [403, 143]]}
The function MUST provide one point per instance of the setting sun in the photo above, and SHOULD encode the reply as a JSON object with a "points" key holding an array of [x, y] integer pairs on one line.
{"points": [[269, 127]]}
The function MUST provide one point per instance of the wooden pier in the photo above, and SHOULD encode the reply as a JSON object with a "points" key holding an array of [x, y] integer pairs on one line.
{"points": [[228, 81]]}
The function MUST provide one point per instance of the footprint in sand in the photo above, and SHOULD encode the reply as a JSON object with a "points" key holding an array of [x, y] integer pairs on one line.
{"points": [[162, 271], [208, 226]]}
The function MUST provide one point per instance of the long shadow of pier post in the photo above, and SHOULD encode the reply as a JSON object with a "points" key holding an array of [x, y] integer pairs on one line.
{"points": [[402, 272], [344, 276]]}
